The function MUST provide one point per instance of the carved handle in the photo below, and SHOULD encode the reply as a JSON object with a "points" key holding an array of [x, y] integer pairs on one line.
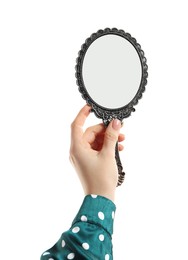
{"points": [[121, 174]]}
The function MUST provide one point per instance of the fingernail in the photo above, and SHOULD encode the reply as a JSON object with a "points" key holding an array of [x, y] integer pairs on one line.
{"points": [[116, 124]]}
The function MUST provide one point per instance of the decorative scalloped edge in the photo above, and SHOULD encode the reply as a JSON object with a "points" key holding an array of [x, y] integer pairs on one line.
{"points": [[101, 112]]}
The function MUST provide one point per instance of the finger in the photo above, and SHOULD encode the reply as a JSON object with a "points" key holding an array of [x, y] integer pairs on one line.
{"points": [[94, 131], [120, 147], [98, 143], [78, 123], [111, 136], [121, 137]]}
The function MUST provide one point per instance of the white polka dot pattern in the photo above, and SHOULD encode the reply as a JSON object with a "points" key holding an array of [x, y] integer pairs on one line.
{"points": [[83, 218], [85, 246], [71, 256], [93, 196], [46, 253], [101, 237], [107, 257], [63, 243], [75, 229], [95, 217], [101, 215]]}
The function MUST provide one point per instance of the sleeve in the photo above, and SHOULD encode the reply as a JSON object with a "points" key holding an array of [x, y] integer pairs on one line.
{"points": [[90, 235]]}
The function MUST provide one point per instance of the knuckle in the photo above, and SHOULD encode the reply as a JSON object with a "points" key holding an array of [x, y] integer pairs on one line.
{"points": [[111, 136], [90, 129], [72, 125]]}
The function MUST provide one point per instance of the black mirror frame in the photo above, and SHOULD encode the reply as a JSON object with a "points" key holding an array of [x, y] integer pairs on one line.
{"points": [[107, 114]]}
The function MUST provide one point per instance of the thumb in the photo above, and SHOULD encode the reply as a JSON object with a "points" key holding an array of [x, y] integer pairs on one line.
{"points": [[111, 136]]}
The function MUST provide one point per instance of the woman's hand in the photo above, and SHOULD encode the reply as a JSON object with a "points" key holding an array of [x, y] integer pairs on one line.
{"points": [[93, 154]]}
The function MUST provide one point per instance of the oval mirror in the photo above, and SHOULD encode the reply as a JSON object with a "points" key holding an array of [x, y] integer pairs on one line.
{"points": [[111, 73]]}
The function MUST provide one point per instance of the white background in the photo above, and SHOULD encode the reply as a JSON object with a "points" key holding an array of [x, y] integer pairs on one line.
{"points": [[39, 190]]}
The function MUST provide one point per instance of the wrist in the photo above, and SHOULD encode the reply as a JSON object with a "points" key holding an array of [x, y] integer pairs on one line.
{"points": [[109, 195]]}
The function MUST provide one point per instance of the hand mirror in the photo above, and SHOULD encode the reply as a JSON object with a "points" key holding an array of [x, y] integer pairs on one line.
{"points": [[111, 73]]}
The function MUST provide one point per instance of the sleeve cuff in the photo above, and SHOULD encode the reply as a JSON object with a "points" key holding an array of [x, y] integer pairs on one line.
{"points": [[97, 210]]}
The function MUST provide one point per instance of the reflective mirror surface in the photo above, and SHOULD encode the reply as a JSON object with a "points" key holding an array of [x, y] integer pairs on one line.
{"points": [[111, 71]]}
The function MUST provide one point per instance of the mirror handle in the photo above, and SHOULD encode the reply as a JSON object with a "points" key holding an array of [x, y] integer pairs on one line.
{"points": [[121, 174]]}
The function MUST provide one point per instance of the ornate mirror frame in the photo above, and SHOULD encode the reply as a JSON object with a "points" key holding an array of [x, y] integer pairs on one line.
{"points": [[107, 114]]}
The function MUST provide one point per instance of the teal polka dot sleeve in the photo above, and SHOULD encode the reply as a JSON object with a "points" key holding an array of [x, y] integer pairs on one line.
{"points": [[90, 235]]}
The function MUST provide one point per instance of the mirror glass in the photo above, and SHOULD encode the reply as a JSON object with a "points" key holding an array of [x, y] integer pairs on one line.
{"points": [[111, 71]]}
